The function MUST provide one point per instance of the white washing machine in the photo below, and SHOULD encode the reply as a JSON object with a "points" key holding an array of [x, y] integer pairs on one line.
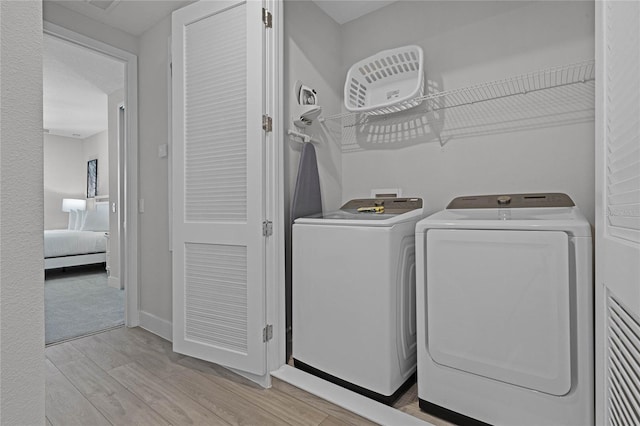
{"points": [[505, 311], [354, 295]]}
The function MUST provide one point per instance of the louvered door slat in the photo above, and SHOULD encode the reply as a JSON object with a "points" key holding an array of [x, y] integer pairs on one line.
{"points": [[210, 286], [623, 120], [626, 370], [622, 187], [633, 157], [625, 172], [618, 404], [215, 73], [614, 417], [628, 197], [625, 399], [627, 343], [627, 320], [623, 364], [624, 143]]}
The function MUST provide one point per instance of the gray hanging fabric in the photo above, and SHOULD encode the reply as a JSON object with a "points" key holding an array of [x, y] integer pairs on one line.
{"points": [[307, 200]]}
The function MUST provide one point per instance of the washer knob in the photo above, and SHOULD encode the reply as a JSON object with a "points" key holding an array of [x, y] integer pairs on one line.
{"points": [[503, 200]]}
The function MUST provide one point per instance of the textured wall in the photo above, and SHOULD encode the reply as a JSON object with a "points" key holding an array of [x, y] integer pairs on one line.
{"points": [[21, 220]]}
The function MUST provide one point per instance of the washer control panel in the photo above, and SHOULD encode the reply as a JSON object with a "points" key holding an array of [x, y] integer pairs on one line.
{"points": [[549, 199]]}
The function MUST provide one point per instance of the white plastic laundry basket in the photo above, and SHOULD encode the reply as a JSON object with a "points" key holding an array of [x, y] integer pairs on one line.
{"points": [[386, 82]]}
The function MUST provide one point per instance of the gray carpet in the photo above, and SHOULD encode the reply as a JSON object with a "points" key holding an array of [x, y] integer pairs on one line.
{"points": [[78, 301]]}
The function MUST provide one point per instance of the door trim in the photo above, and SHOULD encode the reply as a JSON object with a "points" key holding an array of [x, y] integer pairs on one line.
{"points": [[129, 229], [275, 267], [600, 292]]}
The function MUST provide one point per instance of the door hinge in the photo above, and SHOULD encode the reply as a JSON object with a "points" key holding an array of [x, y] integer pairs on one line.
{"points": [[267, 228], [267, 18], [267, 123], [267, 333]]}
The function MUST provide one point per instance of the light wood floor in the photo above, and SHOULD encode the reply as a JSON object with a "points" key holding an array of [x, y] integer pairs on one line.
{"points": [[408, 403], [132, 377]]}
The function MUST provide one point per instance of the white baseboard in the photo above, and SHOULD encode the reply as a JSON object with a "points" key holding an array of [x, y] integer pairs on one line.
{"points": [[114, 282], [356, 403], [156, 325]]}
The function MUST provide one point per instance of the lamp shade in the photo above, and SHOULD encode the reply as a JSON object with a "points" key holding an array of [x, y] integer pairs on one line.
{"points": [[69, 204]]}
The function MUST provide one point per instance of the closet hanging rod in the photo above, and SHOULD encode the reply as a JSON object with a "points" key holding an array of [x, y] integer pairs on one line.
{"points": [[304, 137]]}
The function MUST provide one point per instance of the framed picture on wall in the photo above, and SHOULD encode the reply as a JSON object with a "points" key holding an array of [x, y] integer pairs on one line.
{"points": [[92, 178]]}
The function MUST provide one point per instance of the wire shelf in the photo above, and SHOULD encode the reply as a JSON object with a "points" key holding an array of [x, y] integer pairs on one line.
{"points": [[576, 73]]}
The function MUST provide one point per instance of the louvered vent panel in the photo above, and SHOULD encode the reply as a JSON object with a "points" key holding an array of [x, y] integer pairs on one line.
{"points": [[215, 118], [623, 365], [623, 120], [216, 295]]}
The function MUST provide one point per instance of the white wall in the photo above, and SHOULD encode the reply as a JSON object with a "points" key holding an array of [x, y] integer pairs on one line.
{"points": [[22, 379], [467, 43], [97, 147], [65, 174], [155, 258]]}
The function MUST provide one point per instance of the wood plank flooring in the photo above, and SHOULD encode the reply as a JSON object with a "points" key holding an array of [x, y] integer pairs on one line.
{"points": [[130, 376], [408, 403]]}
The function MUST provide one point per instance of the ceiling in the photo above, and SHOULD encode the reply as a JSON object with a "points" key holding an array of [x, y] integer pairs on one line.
{"points": [[131, 16], [344, 11], [76, 84]]}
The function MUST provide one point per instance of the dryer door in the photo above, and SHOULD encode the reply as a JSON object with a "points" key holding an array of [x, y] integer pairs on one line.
{"points": [[498, 305]]}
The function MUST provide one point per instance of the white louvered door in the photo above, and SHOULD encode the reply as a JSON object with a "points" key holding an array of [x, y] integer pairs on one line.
{"points": [[618, 214], [218, 195]]}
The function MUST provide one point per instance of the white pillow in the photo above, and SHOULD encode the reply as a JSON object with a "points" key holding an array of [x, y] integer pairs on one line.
{"points": [[73, 215], [97, 219]]}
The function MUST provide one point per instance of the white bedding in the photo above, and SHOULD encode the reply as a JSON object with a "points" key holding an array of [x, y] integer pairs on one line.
{"points": [[63, 242]]}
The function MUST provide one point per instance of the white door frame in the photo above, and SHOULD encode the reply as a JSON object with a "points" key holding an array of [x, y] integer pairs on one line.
{"points": [[129, 228], [275, 209]]}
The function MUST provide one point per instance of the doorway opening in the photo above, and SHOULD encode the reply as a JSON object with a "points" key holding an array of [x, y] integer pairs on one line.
{"points": [[90, 131]]}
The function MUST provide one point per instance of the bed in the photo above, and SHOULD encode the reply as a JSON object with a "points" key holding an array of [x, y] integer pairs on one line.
{"points": [[83, 243]]}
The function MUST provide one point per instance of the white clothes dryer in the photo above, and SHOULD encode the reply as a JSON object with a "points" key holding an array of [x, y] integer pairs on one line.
{"points": [[504, 293], [354, 295]]}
